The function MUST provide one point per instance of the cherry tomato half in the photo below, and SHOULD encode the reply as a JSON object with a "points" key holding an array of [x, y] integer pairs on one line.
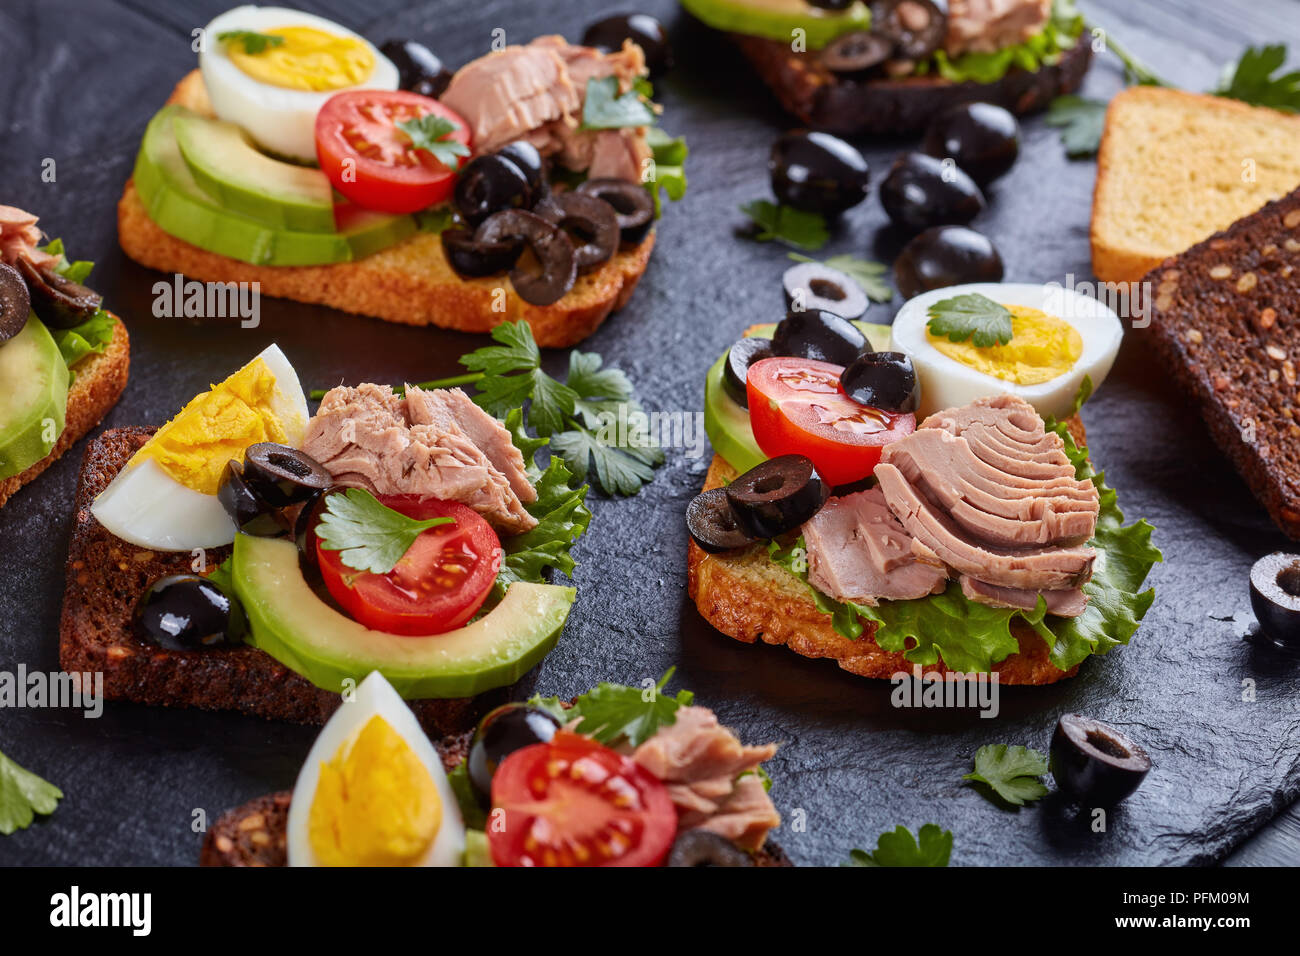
{"points": [[439, 583], [796, 407], [574, 802], [371, 161]]}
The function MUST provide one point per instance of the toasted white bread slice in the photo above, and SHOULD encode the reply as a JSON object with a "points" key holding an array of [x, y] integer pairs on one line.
{"points": [[1175, 167], [410, 282]]}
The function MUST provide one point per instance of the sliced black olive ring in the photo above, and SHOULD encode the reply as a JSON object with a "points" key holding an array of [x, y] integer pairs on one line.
{"points": [[777, 496], [552, 252], [633, 206], [475, 259], [15, 302], [489, 184], [706, 848], [811, 286], [857, 52], [713, 524], [740, 357], [589, 220], [283, 475]]}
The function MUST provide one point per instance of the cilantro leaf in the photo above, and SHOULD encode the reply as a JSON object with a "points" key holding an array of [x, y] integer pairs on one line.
{"points": [[432, 134], [794, 227], [253, 42], [1251, 79], [971, 316], [899, 848], [371, 536], [605, 108], [615, 713], [22, 796], [1010, 772], [866, 273], [1081, 121]]}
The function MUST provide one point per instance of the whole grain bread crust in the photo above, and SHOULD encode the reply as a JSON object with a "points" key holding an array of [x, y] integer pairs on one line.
{"points": [[409, 283]]}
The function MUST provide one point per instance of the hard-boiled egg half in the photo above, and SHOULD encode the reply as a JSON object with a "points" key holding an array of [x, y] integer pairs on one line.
{"points": [[373, 791], [1058, 337], [270, 69], [166, 496]]}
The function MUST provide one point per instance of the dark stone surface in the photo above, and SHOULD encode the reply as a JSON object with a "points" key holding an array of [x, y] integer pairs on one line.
{"points": [[78, 83]]}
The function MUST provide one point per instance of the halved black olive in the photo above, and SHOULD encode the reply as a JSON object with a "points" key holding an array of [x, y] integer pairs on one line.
{"points": [[591, 223], [944, 256], [915, 27], [504, 730], [1096, 764], [305, 521], [251, 513], [489, 184], [921, 191], [821, 335], [713, 524], [983, 139], [857, 52], [188, 612], [551, 247], [283, 476], [530, 162], [706, 848], [642, 29], [884, 380], [813, 285], [742, 355], [59, 302], [632, 205], [472, 258], [15, 302], [419, 69], [818, 172], [1275, 597], [777, 496]]}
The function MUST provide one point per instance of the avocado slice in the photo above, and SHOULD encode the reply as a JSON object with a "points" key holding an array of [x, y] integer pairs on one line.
{"points": [[288, 621], [34, 399], [778, 19], [245, 180], [727, 424], [181, 207]]}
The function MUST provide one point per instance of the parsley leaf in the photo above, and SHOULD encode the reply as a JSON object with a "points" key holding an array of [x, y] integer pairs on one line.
{"points": [[971, 316], [22, 796], [371, 536], [616, 713], [794, 227], [604, 108], [900, 848], [1251, 79], [866, 273], [1081, 121], [431, 133], [620, 469], [1010, 772], [254, 42], [513, 374]]}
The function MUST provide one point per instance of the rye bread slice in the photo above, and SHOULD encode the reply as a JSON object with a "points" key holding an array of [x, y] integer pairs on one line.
{"points": [[1225, 320], [106, 576], [886, 107]]}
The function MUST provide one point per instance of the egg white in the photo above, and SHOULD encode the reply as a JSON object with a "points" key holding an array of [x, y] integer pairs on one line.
{"points": [[946, 383], [149, 508], [281, 120], [374, 696]]}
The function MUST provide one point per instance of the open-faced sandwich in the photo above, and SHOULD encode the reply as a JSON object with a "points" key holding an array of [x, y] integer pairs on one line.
{"points": [[300, 156], [888, 66], [932, 505], [621, 776], [64, 359], [248, 556]]}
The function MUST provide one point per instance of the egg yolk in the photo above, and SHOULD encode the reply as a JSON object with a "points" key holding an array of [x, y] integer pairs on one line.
{"points": [[215, 427], [1041, 348], [308, 59], [375, 803]]}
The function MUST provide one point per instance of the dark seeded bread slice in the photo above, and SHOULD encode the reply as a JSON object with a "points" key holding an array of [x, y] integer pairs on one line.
{"points": [[888, 107], [1226, 323], [105, 578]]}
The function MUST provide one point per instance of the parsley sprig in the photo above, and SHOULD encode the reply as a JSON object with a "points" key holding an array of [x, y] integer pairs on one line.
{"points": [[432, 133], [971, 316], [252, 41], [22, 796], [370, 535], [1254, 79], [899, 848], [794, 227], [616, 713], [1010, 772]]}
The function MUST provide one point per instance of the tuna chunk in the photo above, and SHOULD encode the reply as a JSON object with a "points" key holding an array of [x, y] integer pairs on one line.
{"points": [[986, 26], [19, 237], [438, 444], [858, 551], [1069, 602], [746, 815]]}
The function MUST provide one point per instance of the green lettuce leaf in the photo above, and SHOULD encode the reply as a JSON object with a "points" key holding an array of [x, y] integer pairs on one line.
{"points": [[89, 337], [1044, 48]]}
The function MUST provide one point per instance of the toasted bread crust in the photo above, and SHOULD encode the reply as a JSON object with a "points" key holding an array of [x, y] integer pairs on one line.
{"points": [[105, 577], [98, 384], [409, 283]]}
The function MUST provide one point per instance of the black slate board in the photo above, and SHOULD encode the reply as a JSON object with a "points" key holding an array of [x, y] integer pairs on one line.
{"points": [[77, 84]]}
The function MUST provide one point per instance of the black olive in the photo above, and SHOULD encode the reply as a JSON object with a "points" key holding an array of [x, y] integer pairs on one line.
{"points": [[59, 302], [1275, 597], [632, 205], [504, 730], [418, 68], [306, 520], [251, 513], [818, 172], [551, 247], [921, 191], [282, 475], [982, 138], [944, 256], [742, 355], [471, 258], [530, 162], [884, 380], [916, 28], [489, 184], [821, 335], [642, 29], [1094, 763], [15, 302], [812, 285], [713, 524], [591, 223], [187, 612], [777, 496], [831, 4], [854, 55], [706, 848]]}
